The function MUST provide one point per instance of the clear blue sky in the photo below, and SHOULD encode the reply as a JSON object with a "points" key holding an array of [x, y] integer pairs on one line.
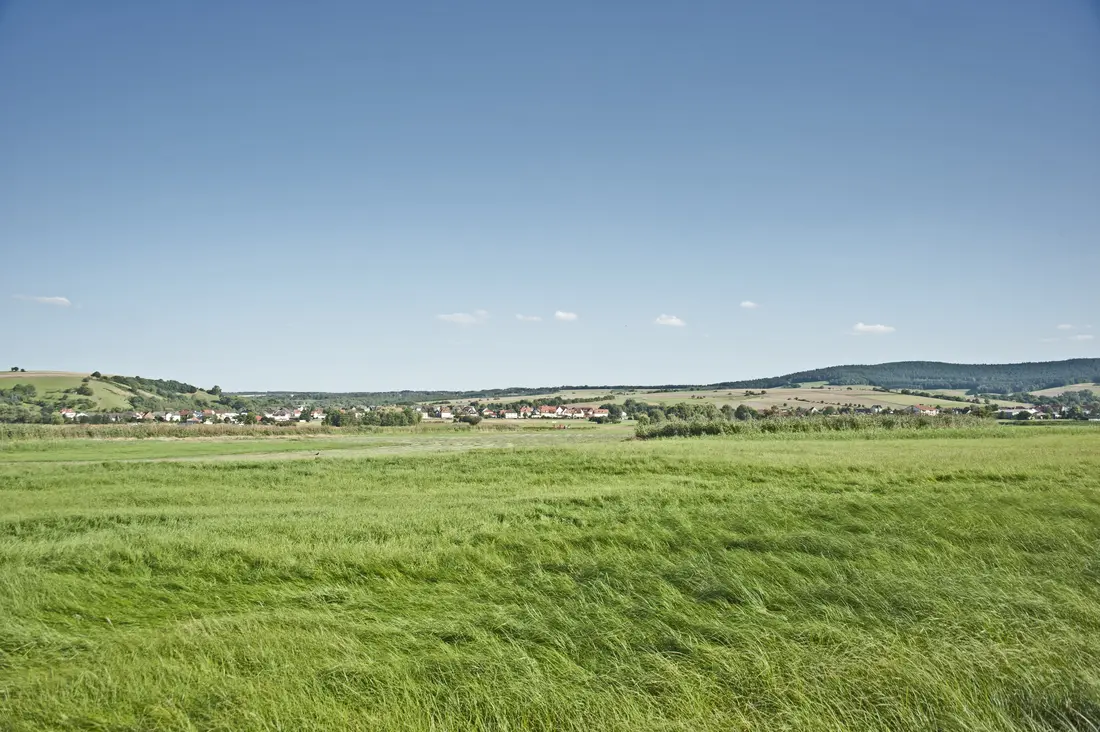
{"points": [[272, 195]]}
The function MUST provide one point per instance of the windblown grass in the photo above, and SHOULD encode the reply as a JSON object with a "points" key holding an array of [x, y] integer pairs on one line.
{"points": [[799, 584], [864, 424]]}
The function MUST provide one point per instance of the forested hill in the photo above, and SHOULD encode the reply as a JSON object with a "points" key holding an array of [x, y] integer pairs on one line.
{"points": [[1004, 378]]}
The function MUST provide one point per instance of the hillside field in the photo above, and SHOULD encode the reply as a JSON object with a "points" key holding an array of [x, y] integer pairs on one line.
{"points": [[107, 396], [469, 579], [806, 396], [1088, 386]]}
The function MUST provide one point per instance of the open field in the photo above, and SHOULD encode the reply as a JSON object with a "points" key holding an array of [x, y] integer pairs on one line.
{"points": [[575, 582], [1062, 389], [806, 396], [860, 396], [392, 441]]}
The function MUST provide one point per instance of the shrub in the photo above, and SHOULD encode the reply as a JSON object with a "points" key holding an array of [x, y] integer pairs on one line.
{"points": [[796, 425]]}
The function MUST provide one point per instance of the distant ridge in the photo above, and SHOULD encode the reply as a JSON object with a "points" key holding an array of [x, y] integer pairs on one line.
{"points": [[1010, 378], [1007, 378]]}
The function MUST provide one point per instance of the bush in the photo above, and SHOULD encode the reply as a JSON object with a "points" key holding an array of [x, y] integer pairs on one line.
{"points": [[794, 425]]}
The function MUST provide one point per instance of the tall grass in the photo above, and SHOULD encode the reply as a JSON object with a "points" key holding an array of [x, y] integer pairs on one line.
{"points": [[803, 425], [887, 584], [144, 430]]}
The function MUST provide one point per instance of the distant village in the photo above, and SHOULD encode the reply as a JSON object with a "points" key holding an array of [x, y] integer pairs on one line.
{"points": [[448, 413]]}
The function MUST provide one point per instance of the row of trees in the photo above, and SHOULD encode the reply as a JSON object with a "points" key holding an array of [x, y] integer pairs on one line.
{"points": [[403, 417]]}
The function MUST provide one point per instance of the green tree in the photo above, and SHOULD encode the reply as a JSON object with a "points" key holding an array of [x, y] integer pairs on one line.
{"points": [[614, 411], [85, 390], [216, 390], [744, 412], [97, 375]]}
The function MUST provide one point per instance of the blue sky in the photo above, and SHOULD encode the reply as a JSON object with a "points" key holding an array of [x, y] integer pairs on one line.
{"points": [[288, 195]]}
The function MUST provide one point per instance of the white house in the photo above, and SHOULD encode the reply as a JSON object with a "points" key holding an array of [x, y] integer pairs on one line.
{"points": [[511, 415], [446, 414]]}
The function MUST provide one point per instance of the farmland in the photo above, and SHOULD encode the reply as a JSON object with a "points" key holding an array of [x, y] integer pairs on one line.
{"points": [[808, 395], [552, 579]]}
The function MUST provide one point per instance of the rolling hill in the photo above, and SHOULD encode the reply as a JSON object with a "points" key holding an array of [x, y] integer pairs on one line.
{"points": [[1010, 378], [108, 393]]}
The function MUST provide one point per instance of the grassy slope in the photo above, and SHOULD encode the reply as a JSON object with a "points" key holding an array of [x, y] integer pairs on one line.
{"points": [[864, 396], [1074, 387], [108, 396], [685, 584]]}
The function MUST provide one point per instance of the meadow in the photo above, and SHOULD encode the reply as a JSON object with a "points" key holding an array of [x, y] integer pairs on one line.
{"points": [[579, 581], [810, 394], [53, 384]]}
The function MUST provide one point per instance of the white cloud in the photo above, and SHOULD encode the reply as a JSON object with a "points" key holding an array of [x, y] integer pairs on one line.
{"points": [[59, 301], [749, 305], [1065, 326], [562, 315], [475, 318], [1082, 337], [670, 320], [528, 318], [865, 329]]}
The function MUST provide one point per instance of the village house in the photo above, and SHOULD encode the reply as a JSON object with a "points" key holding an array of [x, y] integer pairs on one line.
{"points": [[511, 415], [925, 410]]}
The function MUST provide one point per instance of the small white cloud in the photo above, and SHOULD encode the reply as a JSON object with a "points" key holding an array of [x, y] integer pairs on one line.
{"points": [[1065, 326], [562, 315], [749, 305], [865, 329], [475, 318], [59, 301], [528, 318], [1082, 337], [670, 320]]}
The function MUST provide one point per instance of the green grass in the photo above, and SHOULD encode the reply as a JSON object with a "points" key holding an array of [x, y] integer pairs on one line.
{"points": [[796, 584], [107, 396], [87, 450]]}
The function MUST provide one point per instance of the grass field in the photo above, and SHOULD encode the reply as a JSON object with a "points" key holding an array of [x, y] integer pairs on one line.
{"points": [[1073, 387], [578, 581], [860, 396], [108, 397]]}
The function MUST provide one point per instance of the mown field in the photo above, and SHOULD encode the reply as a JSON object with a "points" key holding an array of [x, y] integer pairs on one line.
{"points": [[578, 582], [815, 394]]}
